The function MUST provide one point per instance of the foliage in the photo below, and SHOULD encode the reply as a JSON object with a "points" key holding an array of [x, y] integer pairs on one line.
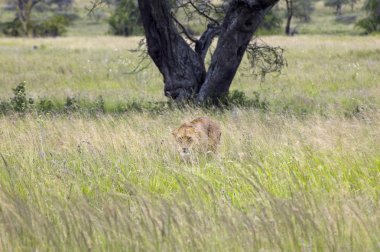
{"points": [[62, 4], [50, 27], [14, 28], [337, 4], [303, 9], [45, 105], [265, 59], [372, 22], [272, 23], [19, 102], [125, 20]]}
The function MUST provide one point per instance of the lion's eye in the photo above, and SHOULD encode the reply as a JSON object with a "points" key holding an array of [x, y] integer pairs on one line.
{"points": [[181, 139]]}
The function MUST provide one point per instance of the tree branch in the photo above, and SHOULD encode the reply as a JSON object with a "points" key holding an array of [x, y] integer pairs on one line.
{"points": [[183, 29], [204, 42]]}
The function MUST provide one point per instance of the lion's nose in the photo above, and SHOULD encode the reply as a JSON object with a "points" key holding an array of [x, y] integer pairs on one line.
{"points": [[185, 150]]}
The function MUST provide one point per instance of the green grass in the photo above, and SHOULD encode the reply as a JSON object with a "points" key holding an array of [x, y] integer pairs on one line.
{"points": [[302, 176], [325, 74], [116, 183]]}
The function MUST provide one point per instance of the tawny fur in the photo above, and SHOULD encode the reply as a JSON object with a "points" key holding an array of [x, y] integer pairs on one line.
{"points": [[201, 134]]}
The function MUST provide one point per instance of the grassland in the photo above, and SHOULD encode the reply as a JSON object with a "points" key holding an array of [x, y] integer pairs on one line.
{"points": [[325, 74], [116, 183], [302, 176]]}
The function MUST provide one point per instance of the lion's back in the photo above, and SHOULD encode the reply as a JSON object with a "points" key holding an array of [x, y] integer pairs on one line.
{"points": [[209, 129]]}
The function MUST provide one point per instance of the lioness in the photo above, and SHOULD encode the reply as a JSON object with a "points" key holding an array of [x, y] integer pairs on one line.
{"points": [[201, 134]]}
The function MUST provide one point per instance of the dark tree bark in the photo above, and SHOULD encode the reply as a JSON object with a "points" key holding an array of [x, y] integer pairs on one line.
{"points": [[289, 10], [183, 68]]}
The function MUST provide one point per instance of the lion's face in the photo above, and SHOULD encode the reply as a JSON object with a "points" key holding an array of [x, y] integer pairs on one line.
{"points": [[186, 137]]}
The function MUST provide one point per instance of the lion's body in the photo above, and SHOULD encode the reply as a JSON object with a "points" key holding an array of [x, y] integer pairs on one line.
{"points": [[201, 134]]}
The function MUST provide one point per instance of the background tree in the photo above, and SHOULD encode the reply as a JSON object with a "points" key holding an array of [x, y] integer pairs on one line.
{"points": [[352, 4], [180, 57], [297, 8], [337, 4], [303, 10], [289, 15], [126, 19], [62, 4], [39, 25], [372, 22], [24, 13], [272, 23]]}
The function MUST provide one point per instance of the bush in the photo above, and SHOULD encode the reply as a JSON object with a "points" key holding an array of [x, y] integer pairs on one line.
{"points": [[45, 105], [13, 28], [5, 107], [272, 23], [19, 102], [126, 21], [72, 104], [51, 27], [368, 24]]}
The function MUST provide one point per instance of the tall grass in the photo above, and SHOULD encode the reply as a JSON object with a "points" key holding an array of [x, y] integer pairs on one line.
{"points": [[116, 183], [303, 176], [325, 74]]}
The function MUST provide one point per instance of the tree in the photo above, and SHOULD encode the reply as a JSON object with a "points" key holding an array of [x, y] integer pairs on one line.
{"points": [[337, 4], [372, 22], [303, 9], [289, 13], [297, 8], [24, 13], [352, 4], [183, 66], [39, 26], [126, 19]]}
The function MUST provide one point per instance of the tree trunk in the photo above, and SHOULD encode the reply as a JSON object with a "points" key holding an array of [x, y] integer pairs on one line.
{"points": [[339, 9], [24, 12], [289, 10], [240, 23], [182, 67]]}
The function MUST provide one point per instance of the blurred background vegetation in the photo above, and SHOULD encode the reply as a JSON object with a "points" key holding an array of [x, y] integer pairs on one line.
{"points": [[41, 18]]}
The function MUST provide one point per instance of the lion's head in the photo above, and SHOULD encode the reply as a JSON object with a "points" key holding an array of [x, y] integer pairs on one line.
{"points": [[186, 137]]}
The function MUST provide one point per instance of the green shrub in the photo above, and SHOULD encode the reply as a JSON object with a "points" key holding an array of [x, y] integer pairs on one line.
{"points": [[126, 19], [19, 101], [271, 24], [51, 27], [14, 28], [5, 107], [371, 23], [45, 105], [72, 104]]}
